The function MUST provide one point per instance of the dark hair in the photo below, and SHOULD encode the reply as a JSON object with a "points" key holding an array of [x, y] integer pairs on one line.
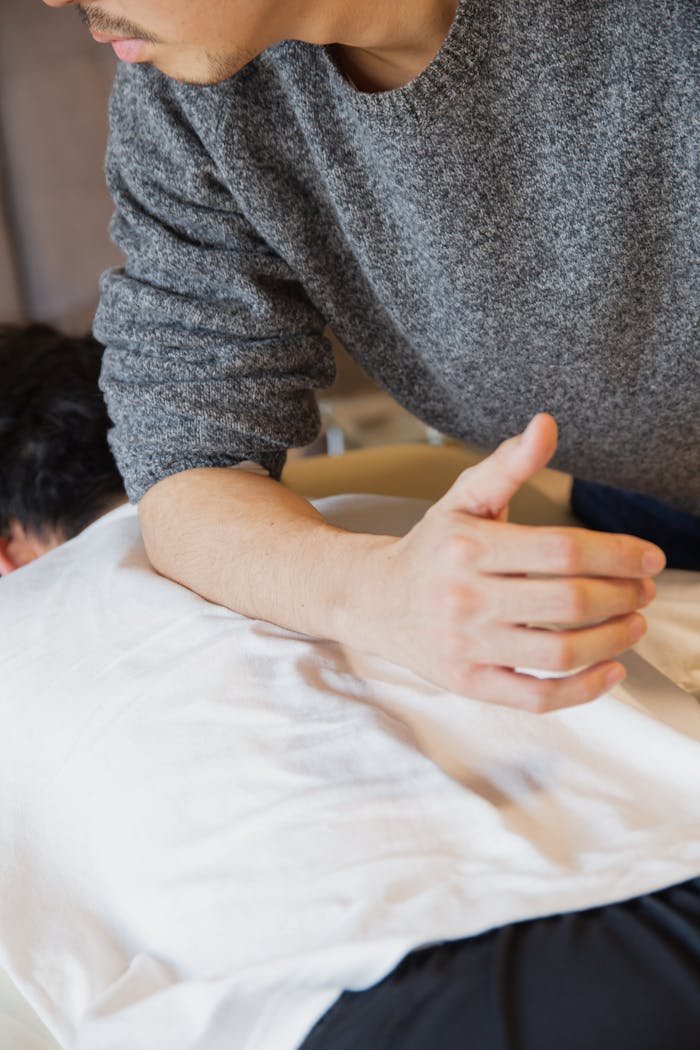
{"points": [[56, 468]]}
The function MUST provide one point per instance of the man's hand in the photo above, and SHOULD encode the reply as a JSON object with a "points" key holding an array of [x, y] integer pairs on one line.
{"points": [[464, 598]]}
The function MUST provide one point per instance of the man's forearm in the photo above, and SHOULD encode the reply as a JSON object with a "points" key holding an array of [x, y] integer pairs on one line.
{"points": [[250, 544], [459, 599]]}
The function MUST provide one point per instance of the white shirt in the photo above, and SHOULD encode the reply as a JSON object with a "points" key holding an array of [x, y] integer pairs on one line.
{"points": [[211, 826]]}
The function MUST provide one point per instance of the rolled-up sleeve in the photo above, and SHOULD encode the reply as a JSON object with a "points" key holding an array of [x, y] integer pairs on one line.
{"points": [[213, 350]]}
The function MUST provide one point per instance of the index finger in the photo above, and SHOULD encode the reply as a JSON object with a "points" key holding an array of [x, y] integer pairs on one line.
{"points": [[503, 548]]}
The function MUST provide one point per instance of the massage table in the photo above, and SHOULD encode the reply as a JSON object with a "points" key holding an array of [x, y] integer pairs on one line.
{"points": [[413, 471]]}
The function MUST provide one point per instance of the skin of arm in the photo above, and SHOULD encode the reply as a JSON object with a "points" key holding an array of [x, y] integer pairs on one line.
{"points": [[451, 600], [247, 542]]}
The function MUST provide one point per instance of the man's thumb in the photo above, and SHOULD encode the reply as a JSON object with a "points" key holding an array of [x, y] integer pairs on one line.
{"points": [[486, 489]]}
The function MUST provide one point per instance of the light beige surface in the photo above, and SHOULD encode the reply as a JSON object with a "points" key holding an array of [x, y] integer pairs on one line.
{"points": [[423, 472]]}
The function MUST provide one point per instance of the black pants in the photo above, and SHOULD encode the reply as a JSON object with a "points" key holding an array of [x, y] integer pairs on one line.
{"points": [[621, 977]]}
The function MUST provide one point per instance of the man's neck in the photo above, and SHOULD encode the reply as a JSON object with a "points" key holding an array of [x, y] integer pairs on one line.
{"points": [[382, 45]]}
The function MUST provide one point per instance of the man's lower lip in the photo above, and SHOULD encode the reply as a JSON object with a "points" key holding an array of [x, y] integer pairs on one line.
{"points": [[129, 50]]}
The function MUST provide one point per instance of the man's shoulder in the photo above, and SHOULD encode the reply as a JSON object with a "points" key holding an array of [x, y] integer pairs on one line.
{"points": [[256, 90]]}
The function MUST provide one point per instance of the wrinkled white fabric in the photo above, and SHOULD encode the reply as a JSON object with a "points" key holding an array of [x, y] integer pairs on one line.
{"points": [[211, 826], [20, 1028]]}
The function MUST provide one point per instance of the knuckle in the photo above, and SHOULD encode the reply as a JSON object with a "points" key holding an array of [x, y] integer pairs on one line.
{"points": [[459, 550], [458, 603], [563, 550], [452, 549], [576, 605], [449, 599], [555, 652], [562, 654]]}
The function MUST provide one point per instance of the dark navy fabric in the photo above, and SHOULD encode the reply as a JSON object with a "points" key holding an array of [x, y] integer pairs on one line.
{"points": [[621, 977], [614, 510]]}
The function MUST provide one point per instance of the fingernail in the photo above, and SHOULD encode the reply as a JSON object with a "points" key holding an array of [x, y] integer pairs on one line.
{"points": [[615, 676], [653, 562], [637, 628]]}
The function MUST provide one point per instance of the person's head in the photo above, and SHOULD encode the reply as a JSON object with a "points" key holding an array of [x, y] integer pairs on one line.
{"points": [[207, 41], [57, 473], [200, 41]]}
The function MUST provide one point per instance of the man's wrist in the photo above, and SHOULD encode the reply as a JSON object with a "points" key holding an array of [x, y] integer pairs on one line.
{"points": [[356, 609]]}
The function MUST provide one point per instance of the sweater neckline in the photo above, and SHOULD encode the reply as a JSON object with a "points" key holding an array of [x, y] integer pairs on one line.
{"points": [[462, 50]]}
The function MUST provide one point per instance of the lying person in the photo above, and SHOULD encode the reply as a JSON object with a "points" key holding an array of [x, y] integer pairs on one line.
{"points": [[58, 473], [217, 833], [620, 590]]}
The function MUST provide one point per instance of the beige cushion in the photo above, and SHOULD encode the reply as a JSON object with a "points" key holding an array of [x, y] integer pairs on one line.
{"points": [[426, 472]]}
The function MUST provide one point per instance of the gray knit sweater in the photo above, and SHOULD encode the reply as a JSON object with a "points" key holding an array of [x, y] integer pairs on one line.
{"points": [[515, 230]]}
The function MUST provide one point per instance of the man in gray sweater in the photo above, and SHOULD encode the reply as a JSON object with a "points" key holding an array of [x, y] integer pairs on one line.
{"points": [[495, 207]]}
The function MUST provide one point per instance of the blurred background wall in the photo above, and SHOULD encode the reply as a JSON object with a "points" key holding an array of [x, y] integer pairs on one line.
{"points": [[54, 207]]}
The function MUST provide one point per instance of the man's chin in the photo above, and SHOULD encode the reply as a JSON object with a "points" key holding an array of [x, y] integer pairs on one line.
{"points": [[211, 70]]}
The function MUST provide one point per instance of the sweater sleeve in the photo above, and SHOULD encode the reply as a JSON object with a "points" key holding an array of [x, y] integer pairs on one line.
{"points": [[213, 350]]}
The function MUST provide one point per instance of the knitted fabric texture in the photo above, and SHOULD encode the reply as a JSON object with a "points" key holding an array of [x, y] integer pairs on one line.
{"points": [[515, 230]]}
